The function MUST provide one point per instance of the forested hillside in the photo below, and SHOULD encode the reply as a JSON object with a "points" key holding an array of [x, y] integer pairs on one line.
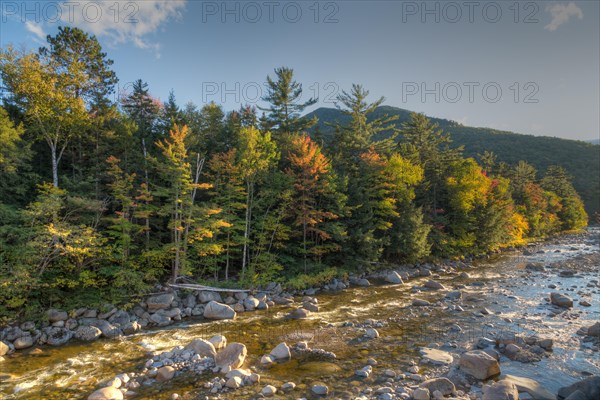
{"points": [[100, 200], [580, 159]]}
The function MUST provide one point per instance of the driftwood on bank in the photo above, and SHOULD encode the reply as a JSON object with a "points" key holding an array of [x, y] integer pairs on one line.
{"points": [[192, 286]]}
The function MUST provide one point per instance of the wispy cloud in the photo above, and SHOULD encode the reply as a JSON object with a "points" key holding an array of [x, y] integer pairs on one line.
{"points": [[36, 29], [561, 13], [119, 21]]}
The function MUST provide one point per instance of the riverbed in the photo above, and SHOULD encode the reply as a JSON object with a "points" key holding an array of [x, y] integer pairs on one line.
{"points": [[512, 298]]}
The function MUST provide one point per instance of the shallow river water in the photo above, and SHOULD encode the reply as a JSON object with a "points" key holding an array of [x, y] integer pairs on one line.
{"points": [[516, 301]]}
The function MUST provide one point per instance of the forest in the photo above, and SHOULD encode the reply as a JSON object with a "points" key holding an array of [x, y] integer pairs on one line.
{"points": [[101, 199]]}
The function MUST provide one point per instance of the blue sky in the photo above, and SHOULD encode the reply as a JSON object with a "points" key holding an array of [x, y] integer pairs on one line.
{"points": [[529, 67]]}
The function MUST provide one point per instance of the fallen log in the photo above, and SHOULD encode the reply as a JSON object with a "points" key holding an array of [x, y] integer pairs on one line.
{"points": [[192, 286]]}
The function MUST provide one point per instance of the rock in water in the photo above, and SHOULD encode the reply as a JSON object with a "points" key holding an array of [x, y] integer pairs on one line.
{"points": [[107, 393], [231, 357], [268, 391], [530, 386], [590, 387], [434, 285], [160, 302], [436, 357], [503, 389], [394, 277], [320, 389], [420, 303], [479, 364], [202, 348], [421, 394], [214, 310], [561, 300], [3, 348], [594, 330], [299, 313], [444, 385]]}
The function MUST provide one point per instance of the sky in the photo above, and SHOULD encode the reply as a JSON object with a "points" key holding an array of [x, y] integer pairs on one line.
{"points": [[527, 67]]}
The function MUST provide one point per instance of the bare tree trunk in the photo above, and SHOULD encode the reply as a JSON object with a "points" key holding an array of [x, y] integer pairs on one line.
{"points": [[147, 188], [54, 166], [247, 227]]}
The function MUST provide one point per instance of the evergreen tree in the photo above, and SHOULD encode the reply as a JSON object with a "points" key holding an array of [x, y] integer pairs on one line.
{"points": [[284, 96], [360, 134]]}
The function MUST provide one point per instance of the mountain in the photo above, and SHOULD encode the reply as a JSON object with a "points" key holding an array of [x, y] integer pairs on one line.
{"points": [[580, 159], [593, 141]]}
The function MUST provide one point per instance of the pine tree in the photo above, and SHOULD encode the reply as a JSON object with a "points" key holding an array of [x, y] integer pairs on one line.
{"points": [[359, 135], [284, 95]]}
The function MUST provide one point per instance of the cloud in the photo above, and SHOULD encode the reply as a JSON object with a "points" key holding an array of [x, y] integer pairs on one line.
{"points": [[36, 29], [118, 21], [561, 14]]}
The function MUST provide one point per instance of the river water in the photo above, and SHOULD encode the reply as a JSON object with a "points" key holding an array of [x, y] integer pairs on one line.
{"points": [[514, 296]]}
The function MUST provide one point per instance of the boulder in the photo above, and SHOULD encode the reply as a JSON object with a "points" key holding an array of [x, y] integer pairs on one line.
{"points": [[202, 347], [108, 330], [189, 301], [214, 310], [57, 315], [160, 319], [299, 313], [590, 387], [421, 394], [444, 385], [479, 364], [206, 296], [362, 282], [231, 357], [107, 393], [594, 330], [320, 389], [59, 336], [23, 342], [561, 300], [218, 341], [578, 395], [165, 373], [501, 390], [121, 318], [435, 285], [394, 278], [436, 357], [250, 303], [533, 388], [160, 301], [420, 303], [454, 295], [288, 387], [3, 348], [268, 391], [281, 352], [131, 328], [87, 333], [234, 382], [372, 333]]}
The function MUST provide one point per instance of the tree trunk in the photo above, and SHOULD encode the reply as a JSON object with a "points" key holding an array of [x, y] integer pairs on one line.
{"points": [[246, 229], [54, 166]]}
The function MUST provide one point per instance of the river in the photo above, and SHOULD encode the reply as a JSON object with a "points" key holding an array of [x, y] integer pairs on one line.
{"points": [[500, 284]]}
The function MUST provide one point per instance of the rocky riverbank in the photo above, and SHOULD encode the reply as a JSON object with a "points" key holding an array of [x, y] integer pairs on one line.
{"points": [[383, 357]]}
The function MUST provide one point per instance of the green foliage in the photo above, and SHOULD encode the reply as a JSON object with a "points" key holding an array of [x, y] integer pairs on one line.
{"points": [[152, 191]]}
